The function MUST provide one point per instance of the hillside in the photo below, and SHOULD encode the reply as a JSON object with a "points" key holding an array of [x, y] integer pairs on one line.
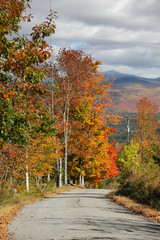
{"points": [[128, 89]]}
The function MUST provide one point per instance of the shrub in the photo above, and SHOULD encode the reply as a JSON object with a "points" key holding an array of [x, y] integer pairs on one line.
{"points": [[144, 185]]}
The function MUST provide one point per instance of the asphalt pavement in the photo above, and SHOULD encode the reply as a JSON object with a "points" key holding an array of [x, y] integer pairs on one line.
{"points": [[81, 214]]}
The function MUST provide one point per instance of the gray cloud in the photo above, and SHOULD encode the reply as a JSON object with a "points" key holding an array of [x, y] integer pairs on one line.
{"points": [[123, 34]]}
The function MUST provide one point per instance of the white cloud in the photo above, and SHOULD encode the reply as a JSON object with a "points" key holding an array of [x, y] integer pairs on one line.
{"points": [[123, 34]]}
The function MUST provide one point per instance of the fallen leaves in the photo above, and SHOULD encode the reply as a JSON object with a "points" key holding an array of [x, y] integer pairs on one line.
{"points": [[138, 208]]}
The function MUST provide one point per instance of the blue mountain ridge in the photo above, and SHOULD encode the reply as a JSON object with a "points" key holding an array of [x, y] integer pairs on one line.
{"points": [[114, 74]]}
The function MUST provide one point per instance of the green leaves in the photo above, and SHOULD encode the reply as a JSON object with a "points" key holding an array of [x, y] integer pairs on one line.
{"points": [[45, 29], [128, 161]]}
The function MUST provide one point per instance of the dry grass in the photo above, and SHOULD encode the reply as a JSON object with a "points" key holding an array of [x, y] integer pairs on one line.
{"points": [[140, 209], [10, 210]]}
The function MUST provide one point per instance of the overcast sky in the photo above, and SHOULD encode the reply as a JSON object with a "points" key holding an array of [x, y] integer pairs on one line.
{"points": [[123, 34]]}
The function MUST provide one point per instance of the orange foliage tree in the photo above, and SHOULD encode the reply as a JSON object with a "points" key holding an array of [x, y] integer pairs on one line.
{"points": [[82, 98], [74, 73], [90, 151], [147, 125]]}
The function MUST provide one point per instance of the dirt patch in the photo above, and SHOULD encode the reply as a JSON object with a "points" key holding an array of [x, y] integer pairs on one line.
{"points": [[140, 209], [11, 211]]}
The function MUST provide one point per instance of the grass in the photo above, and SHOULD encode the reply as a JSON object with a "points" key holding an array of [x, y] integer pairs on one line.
{"points": [[11, 204], [138, 208]]}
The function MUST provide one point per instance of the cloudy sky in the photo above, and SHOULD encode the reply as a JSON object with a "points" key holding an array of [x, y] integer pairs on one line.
{"points": [[123, 34]]}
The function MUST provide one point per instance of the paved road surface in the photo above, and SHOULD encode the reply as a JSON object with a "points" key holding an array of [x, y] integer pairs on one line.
{"points": [[81, 214]]}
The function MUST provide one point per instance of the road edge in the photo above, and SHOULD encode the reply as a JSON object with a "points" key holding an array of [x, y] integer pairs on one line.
{"points": [[5, 221], [140, 209]]}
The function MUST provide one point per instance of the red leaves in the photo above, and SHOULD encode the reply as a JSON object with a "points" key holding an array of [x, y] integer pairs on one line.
{"points": [[82, 87], [12, 153]]}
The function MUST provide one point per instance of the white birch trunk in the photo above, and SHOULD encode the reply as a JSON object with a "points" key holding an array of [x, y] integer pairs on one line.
{"points": [[27, 179], [82, 182], [48, 177], [27, 174]]}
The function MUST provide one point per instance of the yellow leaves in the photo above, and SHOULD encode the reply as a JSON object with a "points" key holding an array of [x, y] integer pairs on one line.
{"points": [[5, 95], [43, 155], [8, 95], [39, 174], [129, 159]]}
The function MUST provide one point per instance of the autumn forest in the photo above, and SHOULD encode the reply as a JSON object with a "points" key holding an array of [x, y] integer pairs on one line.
{"points": [[56, 120]]}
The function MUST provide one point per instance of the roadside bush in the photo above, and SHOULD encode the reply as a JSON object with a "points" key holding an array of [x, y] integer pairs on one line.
{"points": [[101, 184], [112, 183], [5, 194], [128, 161], [144, 185]]}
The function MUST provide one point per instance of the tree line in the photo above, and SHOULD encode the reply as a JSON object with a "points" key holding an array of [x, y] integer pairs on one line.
{"points": [[51, 114], [54, 119]]}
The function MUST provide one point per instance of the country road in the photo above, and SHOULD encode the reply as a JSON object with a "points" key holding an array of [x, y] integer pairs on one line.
{"points": [[81, 214]]}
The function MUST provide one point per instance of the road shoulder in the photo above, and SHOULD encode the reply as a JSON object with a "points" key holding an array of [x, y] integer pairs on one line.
{"points": [[13, 210], [138, 208]]}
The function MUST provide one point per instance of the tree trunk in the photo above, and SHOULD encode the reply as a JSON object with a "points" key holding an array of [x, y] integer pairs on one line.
{"points": [[66, 119], [27, 179], [65, 157], [38, 181], [48, 177], [60, 173], [82, 182], [10, 183], [27, 174], [6, 174]]}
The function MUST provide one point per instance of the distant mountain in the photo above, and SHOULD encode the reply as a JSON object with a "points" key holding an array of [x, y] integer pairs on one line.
{"points": [[157, 79], [128, 89], [114, 74]]}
